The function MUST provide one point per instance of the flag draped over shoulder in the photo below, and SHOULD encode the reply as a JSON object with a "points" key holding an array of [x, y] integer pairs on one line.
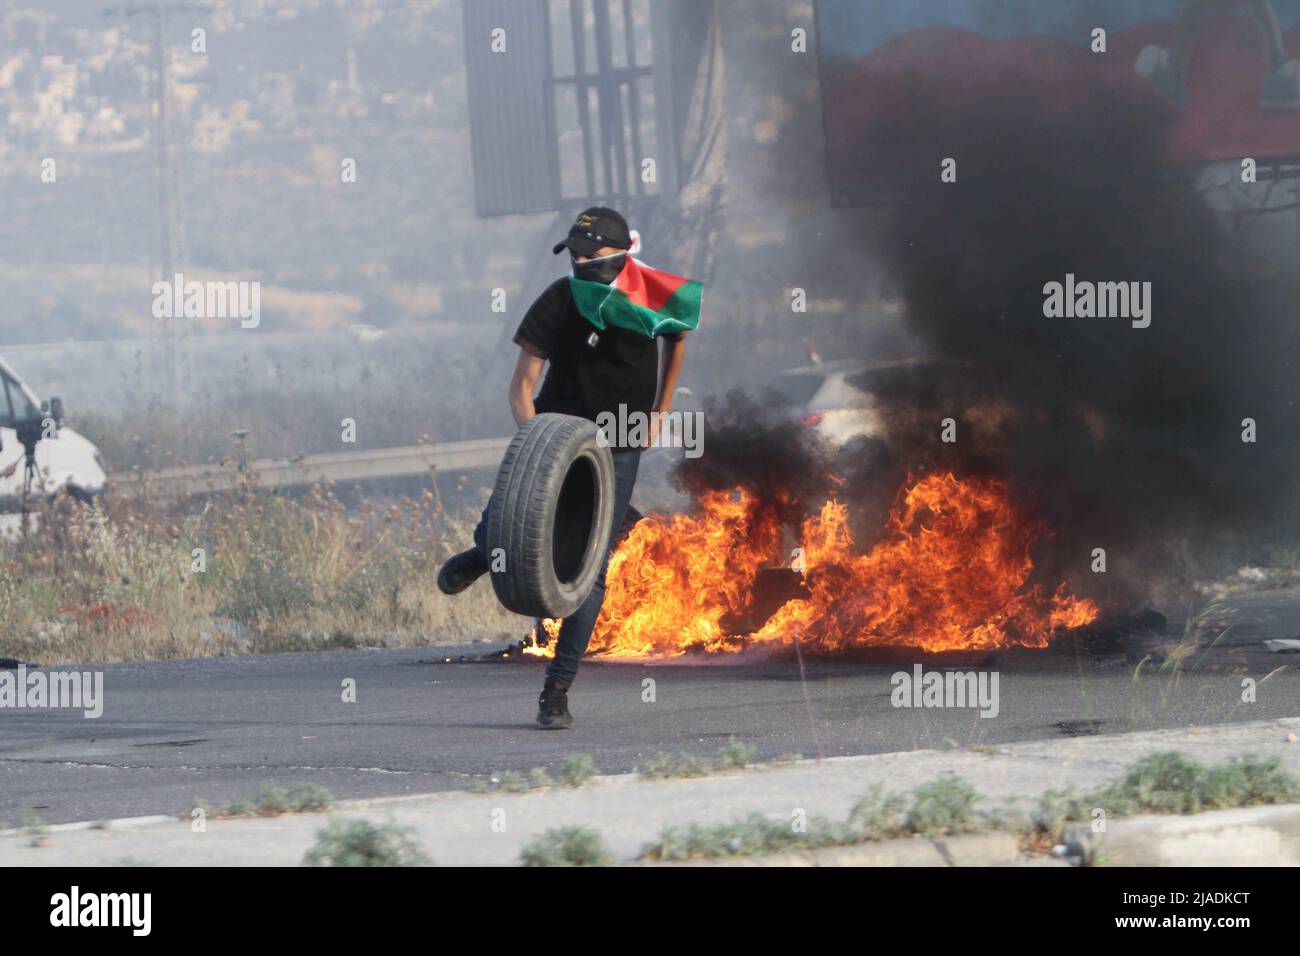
{"points": [[641, 300]]}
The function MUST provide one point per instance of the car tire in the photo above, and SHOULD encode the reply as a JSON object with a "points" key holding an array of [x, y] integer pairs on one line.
{"points": [[550, 516]]}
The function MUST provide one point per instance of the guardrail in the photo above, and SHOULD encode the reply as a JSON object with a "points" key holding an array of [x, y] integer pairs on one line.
{"points": [[309, 469]]}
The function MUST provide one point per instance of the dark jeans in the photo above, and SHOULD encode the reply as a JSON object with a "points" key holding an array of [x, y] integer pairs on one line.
{"points": [[577, 627]]}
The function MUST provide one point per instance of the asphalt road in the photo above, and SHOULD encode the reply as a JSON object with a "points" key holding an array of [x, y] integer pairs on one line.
{"points": [[215, 730]]}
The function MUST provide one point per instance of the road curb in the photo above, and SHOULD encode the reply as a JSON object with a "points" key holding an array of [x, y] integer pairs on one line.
{"points": [[978, 849], [117, 823], [1250, 836]]}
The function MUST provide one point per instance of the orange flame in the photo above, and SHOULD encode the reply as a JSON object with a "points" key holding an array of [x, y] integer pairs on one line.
{"points": [[952, 572], [534, 646]]}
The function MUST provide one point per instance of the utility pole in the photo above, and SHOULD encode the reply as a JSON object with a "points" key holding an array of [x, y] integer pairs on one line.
{"points": [[165, 253], [166, 196]]}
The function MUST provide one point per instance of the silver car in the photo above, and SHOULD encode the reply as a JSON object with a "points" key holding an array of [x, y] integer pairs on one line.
{"points": [[853, 399]]}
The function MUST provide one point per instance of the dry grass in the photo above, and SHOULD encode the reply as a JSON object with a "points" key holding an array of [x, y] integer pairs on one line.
{"points": [[281, 574]]}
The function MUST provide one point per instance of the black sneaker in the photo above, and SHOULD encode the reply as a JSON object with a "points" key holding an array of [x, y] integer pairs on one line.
{"points": [[461, 570], [553, 708]]}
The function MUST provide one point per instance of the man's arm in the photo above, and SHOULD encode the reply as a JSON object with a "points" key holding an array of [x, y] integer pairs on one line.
{"points": [[523, 383], [670, 369]]}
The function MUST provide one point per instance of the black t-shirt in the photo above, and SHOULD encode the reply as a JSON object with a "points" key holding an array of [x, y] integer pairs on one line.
{"points": [[591, 370]]}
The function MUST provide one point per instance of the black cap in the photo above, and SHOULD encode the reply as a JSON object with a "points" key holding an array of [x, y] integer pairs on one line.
{"points": [[596, 227]]}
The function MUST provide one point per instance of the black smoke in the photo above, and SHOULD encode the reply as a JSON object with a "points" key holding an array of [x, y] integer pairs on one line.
{"points": [[1123, 438], [752, 444], [1128, 439]]}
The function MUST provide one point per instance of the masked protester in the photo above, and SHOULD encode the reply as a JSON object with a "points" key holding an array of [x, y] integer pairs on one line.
{"points": [[599, 333]]}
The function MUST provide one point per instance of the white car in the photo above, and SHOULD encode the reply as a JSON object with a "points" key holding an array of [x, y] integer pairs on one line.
{"points": [[824, 398], [66, 462]]}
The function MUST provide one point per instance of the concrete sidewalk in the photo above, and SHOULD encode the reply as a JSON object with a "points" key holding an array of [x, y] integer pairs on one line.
{"points": [[490, 829]]}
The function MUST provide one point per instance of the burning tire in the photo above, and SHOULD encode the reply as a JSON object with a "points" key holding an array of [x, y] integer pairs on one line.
{"points": [[550, 516]]}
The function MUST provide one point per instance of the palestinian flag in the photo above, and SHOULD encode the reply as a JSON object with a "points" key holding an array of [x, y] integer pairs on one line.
{"points": [[641, 300]]}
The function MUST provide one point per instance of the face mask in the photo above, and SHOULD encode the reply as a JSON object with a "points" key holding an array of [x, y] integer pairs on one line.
{"points": [[605, 269]]}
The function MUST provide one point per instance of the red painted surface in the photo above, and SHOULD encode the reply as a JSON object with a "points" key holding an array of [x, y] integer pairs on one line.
{"points": [[935, 77]]}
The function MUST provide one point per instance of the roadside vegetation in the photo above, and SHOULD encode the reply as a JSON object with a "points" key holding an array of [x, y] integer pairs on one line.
{"points": [[357, 842], [567, 846], [1162, 783], [35, 831], [243, 572], [273, 800], [944, 807], [1173, 783], [575, 771], [733, 755], [1158, 677]]}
